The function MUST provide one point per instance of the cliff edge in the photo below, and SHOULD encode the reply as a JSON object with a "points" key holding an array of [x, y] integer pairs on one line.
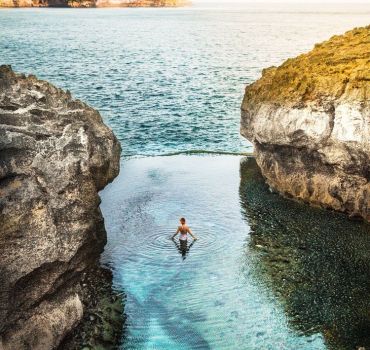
{"points": [[56, 154], [309, 120]]}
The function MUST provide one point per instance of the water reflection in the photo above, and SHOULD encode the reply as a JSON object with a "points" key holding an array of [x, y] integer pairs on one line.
{"points": [[183, 247], [315, 262]]}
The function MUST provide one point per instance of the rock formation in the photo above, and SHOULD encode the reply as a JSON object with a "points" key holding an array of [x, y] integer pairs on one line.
{"points": [[56, 154], [309, 120], [93, 3]]}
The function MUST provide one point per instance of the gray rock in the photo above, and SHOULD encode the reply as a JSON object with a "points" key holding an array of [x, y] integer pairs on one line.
{"points": [[55, 155]]}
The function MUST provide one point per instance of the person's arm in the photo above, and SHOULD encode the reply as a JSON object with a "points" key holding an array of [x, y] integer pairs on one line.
{"points": [[192, 235], [178, 230]]}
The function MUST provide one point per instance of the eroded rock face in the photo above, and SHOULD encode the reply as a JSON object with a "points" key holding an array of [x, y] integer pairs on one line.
{"points": [[309, 120], [55, 155]]}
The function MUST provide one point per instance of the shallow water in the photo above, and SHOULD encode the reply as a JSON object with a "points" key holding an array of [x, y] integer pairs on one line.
{"points": [[266, 273], [167, 80]]}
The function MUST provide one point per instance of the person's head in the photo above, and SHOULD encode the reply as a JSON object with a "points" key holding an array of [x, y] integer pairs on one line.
{"points": [[182, 221]]}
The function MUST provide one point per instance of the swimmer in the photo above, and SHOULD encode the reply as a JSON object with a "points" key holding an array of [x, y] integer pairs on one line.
{"points": [[184, 230]]}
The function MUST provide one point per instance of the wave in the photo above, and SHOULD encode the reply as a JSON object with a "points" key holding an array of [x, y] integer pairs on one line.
{"points": [[189, 152]]}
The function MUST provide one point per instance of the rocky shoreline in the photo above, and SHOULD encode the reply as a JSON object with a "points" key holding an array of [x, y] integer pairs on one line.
{"points": [[93, 3], [56, 154], [315, 262], [103, 320], [309, 121]]}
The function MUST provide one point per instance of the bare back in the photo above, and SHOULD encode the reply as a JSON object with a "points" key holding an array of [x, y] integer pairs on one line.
{"points": [[184, 229]]}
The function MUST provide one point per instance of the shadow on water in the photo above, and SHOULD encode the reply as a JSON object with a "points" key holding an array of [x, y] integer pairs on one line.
{"points": [[174, 322], [183, 247], [315, 262]]}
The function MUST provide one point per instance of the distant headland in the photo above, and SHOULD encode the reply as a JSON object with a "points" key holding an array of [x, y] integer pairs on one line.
{"points": [[93, 3]]}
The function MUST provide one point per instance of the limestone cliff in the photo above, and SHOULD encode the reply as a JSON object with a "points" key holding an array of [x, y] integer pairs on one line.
{"points": [[56, 154], [93, 3], [309, 120]]}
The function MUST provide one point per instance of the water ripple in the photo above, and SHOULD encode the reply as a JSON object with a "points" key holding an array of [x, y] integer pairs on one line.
{"points": [[250, 281]]}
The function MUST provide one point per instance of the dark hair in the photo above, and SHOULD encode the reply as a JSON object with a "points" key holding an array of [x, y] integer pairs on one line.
{"points": [[182, 220]]}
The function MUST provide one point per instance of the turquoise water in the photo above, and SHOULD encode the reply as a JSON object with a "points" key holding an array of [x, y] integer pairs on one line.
{"points": [[266, 273]]}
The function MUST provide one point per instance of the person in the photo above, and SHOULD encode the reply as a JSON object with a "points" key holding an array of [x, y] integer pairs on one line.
{"points": [[184, 230]]}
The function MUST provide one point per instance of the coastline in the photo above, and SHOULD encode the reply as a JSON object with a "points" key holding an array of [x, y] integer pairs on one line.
{"points": [[10, 4]]}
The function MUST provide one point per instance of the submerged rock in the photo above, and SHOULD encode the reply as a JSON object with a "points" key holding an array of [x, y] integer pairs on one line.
{"points": [[103, 321], [309, 120], [55, 155], [315, 263]]}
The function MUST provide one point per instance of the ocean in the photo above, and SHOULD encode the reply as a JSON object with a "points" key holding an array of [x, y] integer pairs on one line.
{"points": [[167, 80]]}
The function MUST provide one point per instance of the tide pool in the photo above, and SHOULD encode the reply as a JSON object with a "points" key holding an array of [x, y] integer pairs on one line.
{"points": [[266, 272]]}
